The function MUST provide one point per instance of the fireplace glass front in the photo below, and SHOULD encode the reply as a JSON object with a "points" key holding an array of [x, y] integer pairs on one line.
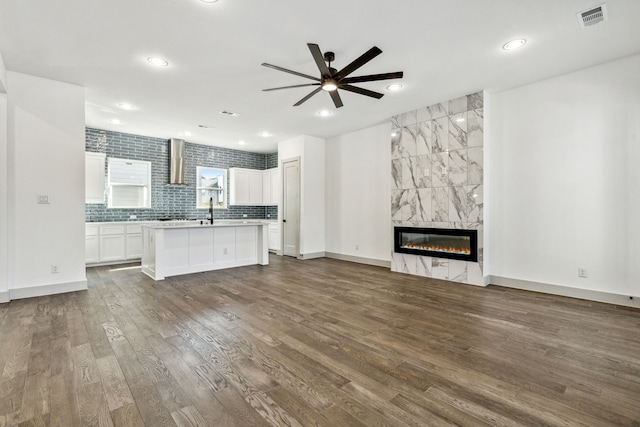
{"points": [[437, 242]]}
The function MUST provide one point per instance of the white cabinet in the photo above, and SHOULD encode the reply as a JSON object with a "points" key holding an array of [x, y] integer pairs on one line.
{"points": [[94, 177], [112, 242], [92, 244], [274, 236], [133, 246], [270, 187], [252, 187], [245, 187], [255, 188]]}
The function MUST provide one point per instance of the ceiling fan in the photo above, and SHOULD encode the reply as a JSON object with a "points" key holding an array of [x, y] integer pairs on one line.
{"points": [[331, 79]]}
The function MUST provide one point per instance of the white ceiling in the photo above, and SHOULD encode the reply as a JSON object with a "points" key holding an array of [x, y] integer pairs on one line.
{"points": [[446, 48]]}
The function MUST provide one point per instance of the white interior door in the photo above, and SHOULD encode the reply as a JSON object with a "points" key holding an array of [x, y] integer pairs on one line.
{"points": [[291, 207]]}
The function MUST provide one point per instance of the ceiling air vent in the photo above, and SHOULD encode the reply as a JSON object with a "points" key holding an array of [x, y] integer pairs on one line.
{"points": [[593, 16]]}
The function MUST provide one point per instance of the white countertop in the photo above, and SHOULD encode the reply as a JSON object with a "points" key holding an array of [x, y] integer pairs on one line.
{"points": [[173, 223], [196, 224]]}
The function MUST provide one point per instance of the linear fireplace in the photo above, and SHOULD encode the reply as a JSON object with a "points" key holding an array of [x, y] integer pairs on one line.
{"points": [[437, 242]]}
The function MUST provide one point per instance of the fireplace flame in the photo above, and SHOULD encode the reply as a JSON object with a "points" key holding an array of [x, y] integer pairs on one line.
{"points": [[449, 249]]}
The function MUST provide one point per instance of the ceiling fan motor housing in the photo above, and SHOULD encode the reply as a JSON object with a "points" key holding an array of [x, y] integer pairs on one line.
{"points": [[329, 56]]}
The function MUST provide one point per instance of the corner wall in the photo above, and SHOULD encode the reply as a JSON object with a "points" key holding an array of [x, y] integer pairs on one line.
{"points": [[4, 280], [45, 156], [565, 183], [437, 178]]}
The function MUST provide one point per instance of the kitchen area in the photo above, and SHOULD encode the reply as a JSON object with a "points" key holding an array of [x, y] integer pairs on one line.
{"points": [[153, 200]]}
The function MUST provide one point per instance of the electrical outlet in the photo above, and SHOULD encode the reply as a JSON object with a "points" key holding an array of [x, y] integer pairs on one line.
{"points": [[43, 199], [426, 172], [357, 247], [54, 268], [225, 251], [444, 171], [582, 272]]}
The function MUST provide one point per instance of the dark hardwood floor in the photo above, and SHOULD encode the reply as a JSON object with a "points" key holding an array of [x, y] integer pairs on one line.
{"points": [[314, 343]]}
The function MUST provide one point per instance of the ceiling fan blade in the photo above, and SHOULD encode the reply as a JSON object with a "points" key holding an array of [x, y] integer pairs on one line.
{"points": [[359, 62], [335, 96], [307, 97], [275, 67], [361, 91], [317, 56], [373, 77], [289, 87]]}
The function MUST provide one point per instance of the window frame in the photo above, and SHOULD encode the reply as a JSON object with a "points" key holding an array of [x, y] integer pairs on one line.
{"points": [[146, 201], [199, 187]]}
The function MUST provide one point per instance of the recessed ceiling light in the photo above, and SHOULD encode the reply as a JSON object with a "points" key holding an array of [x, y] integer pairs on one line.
{"points": [[394, 87], [265, 134], [324, 113], [241, 142], [126, 106], [187, 133], [460, 119], [115, 122], [158, 62], [206, 127], [514, 44], [229, 113], [394, 134], [208, 1]]}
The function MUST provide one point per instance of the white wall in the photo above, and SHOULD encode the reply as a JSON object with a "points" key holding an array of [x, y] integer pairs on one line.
{"points": [[564, 184], [4, 284], [312, 189], [3, 76], [358, 193], [45, 152]]}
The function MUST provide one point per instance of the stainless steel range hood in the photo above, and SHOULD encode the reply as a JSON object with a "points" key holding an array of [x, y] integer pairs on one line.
{"points": [[176, 161]]}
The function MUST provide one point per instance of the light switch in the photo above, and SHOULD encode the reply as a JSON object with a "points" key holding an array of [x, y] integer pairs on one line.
{"points": [[426, 172]]}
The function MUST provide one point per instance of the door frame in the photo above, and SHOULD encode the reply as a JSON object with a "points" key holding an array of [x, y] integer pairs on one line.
{"points": [[281, 210]]}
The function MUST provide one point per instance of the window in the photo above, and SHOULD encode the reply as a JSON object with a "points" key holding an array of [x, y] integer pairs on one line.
{"points": [[129, 184], [211, 185]]}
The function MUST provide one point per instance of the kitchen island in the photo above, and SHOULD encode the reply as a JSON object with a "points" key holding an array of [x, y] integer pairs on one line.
{"points": [[174, 249]]}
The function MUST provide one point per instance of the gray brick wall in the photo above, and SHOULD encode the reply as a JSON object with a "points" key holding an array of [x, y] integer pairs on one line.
{"points": [[171, 201]]}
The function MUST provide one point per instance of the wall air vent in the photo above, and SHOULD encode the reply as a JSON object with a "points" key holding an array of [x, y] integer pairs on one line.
{"points": [[593, 16]]}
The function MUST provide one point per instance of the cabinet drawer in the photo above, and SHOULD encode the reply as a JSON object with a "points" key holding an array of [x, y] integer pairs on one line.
{"points": [[111, 229], [91, 230], [134, 229]]}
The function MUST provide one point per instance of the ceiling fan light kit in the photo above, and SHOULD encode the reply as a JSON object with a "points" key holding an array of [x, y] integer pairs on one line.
{"points": [[331, 80]]}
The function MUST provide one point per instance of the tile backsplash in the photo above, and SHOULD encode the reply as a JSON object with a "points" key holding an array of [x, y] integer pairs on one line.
{"points": [[171, 201], [437, 180]]}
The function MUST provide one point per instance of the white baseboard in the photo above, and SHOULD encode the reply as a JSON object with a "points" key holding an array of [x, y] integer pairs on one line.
{"points": [[4, 296], [39, 291], [565, 291], [359, 260], [312, 255]]}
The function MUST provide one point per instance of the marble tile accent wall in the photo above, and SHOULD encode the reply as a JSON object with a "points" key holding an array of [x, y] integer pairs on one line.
{"points": [[436, 180]]}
